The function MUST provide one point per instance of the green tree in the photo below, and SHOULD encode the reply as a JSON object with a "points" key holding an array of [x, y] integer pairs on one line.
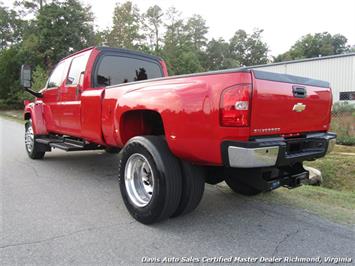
{"points": [[63, 28], [315, 45], [152, 22], [179, 53], [175, 34], [126, 26], [196, 30], [11, 27], [218, 55], [30, 6], [9, 77], [248, 49]]}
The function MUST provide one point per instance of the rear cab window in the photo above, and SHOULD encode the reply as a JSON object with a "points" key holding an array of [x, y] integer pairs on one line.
{"points": [[113, 69]]}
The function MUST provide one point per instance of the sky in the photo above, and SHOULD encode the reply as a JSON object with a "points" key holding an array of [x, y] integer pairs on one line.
{"points": [[283, 21]]}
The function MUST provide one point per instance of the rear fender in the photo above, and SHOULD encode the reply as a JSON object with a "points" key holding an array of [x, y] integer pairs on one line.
{"points": [[176, 105], [34, 111]]}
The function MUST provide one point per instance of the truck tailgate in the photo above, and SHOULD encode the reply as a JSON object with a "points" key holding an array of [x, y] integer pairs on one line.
{"points": [[285, 104]]}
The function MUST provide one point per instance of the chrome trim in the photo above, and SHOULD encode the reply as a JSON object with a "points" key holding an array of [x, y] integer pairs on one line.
{"points": [[139, 180], [252, 157], [29, 137]]}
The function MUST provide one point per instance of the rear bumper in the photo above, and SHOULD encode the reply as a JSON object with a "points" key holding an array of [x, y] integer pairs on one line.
{"points": [[278, 151]]}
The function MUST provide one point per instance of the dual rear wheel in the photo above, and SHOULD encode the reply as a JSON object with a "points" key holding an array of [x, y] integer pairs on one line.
{"points": [[154, 184]]}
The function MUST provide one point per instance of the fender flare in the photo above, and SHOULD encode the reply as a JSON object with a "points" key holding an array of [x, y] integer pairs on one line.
{"points": [[34, 111]]}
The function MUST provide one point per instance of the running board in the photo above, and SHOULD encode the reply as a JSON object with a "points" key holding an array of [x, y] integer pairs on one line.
{"points": [[68, 144]]}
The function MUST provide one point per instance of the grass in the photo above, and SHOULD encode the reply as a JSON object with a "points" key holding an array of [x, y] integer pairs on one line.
{"points": [[338, 206], [335, 198], [12, 114], [338, 169], [343, 123]]}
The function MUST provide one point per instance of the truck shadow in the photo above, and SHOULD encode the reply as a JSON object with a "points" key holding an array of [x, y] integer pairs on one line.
{"points": [[97, 164], [219, 204]]}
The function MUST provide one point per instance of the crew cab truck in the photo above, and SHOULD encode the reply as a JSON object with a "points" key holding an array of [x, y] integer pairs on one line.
{"points": [[250, 128]]}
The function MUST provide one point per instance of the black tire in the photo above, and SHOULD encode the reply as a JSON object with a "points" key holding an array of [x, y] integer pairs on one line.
{"points": [[166, 174], [34, 152], [214, 175], [193, 186], [241, 188]]}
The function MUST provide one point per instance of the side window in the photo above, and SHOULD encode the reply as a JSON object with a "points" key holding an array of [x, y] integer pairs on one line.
{"points": [[58, 74], [115, 69], [77, 67]]}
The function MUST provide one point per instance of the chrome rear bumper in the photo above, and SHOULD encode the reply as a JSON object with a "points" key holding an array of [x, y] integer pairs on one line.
{"points": [[276, 151], [252, 157]]}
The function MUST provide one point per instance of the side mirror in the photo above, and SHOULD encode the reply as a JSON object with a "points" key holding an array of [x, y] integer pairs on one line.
{"points": [[26, 80], [26, 76]]}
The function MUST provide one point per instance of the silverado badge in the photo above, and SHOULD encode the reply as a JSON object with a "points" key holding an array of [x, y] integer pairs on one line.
{"points": [[299, 107]]}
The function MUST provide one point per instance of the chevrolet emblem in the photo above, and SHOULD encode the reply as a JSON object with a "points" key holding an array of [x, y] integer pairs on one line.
{"points": [[299, 107]]}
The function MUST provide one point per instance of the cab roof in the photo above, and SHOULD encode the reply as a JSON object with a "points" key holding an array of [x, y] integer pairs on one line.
{"points": [[116, 50]]}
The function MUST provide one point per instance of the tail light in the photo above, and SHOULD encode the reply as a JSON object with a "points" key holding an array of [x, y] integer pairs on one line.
{"points": [[235, 105]]}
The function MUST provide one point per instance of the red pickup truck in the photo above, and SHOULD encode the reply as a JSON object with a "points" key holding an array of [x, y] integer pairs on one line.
{"points": [[250, 128]]}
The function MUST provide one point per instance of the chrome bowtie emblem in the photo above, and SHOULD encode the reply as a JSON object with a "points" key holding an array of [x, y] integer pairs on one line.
{"points": [[299, 107]]}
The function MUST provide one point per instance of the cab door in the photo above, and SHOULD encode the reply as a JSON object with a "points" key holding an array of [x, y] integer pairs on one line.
{"points": [[51, 96], [70, 96]]}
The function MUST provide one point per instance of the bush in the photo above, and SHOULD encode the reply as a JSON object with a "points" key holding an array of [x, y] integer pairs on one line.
{"points": [[343, 107], [346, 140], [343, 122], [39, 78]]}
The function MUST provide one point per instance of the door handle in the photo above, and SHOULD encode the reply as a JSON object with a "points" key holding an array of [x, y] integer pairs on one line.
{"points": [[299, 91]]}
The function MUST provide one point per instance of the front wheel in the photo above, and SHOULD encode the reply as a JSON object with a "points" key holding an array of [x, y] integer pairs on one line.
{"points": [[31, 146], [150, 179]]}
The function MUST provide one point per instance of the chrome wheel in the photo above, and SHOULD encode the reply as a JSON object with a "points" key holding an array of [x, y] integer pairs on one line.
{"points": [[139, 180], [29, 137]]}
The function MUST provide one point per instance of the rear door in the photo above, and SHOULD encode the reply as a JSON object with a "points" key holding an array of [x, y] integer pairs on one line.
{"points": [[70, 95], [285, 104]]}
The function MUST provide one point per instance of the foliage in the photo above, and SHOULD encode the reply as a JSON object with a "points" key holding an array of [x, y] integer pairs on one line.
{"points": [[218, 55], [11, 27], [62, 29], [179, 51], [343, 123], [126, 26], [196, 31], [152, 22], [338, 169], [346, 140], [9, 77], [343, 107], [315, 45], [39, 77], [58, 28], [248, 49]]}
